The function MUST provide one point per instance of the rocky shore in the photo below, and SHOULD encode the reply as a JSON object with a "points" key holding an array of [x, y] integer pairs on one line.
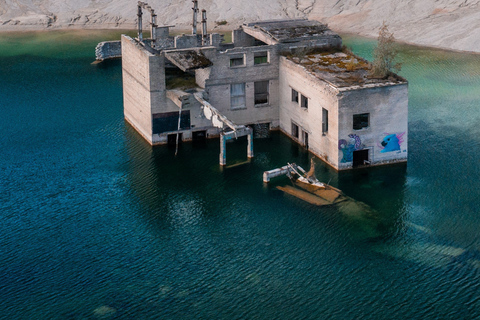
{"points": [[448, 24]]}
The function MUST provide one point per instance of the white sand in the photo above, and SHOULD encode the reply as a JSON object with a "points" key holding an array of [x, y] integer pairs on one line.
{"points": [[450, 24]]}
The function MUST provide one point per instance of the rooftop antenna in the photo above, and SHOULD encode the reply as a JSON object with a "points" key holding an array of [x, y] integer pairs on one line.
{"points": [[195, 11], [204, 27]]}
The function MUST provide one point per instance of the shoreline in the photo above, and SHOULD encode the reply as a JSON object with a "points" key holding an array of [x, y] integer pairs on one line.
{"points": [[176, 31]]}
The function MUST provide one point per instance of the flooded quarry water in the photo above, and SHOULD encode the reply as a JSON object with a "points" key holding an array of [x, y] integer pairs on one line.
{"points": [[97, 224]]}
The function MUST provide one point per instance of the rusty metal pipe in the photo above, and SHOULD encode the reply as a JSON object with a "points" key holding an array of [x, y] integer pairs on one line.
{"points": [[204, 27], [195, 11]]}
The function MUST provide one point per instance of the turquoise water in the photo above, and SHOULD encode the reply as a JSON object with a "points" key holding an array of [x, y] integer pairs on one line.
{"points": [[97, 224]]}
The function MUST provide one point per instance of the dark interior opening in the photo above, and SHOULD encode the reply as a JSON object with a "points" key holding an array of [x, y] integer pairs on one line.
{"points": [[360, 158], [172, 139]]}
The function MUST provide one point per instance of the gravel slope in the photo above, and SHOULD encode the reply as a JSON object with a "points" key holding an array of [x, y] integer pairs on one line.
{"points": [[450, 24]]}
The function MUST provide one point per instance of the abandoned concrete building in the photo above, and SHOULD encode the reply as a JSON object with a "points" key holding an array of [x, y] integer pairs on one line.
{"points": [[290, 75]]}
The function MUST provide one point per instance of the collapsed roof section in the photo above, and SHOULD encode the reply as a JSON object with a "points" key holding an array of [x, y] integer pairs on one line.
{"points": [[287, 31], [188, 59]]}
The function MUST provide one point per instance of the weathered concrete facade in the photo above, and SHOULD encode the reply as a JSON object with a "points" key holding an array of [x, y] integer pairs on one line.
{"points": [[327, 126], [320, 95], [290, 75]]}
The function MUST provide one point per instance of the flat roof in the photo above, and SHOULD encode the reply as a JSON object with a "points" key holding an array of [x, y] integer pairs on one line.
{"points": [[342, 69], [285, 31]]}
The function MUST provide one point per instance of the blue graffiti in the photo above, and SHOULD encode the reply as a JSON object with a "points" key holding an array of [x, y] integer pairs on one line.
{"points": [[349, 147], [390, 143]]}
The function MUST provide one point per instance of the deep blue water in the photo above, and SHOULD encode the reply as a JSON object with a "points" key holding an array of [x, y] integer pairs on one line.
{"points": [[97, 224]]}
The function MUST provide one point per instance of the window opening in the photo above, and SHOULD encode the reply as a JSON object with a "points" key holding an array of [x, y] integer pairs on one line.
{"points": [[237, 96], [361, 121], [294, 130], [304, 103], [294, 95], [260, 57], [261, 92], [324, 120], [305, 139], [236, 61]]}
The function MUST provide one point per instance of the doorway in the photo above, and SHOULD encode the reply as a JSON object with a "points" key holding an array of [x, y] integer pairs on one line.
{"points": [[360, 158], [172, 139], [305, 139]]}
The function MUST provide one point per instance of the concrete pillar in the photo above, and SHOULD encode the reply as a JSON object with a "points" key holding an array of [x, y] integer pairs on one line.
{"points": [[223, 150], [250, 144]]}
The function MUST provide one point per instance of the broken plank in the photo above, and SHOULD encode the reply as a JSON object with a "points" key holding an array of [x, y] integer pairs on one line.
{"points": [[305, 196]]}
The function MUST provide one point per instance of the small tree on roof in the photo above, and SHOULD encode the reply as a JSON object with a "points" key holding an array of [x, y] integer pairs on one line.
{"points": [[384, 54]]}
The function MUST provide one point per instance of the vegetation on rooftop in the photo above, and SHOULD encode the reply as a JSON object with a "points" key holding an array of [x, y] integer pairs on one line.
{"points": [[384, 55], [339, 65]]}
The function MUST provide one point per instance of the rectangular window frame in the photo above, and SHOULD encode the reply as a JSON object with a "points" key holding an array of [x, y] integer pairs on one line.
{"points": [[295, 95], [295, 130], [304, 102], [261, 98], [361, 121], [237, 61], [237, 97], [324, 121], [261, 58]]}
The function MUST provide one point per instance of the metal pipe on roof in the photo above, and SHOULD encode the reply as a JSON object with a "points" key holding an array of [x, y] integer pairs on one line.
{"points": [[195, 11], [154, 28], [139, 18], [204, 27]]}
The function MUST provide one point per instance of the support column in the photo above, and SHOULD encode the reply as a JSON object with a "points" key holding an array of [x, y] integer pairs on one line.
{"points": [[250, 144], [223, 150]]}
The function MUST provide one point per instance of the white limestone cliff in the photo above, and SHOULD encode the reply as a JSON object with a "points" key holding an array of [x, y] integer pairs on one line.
{"points": [[450, 24]]}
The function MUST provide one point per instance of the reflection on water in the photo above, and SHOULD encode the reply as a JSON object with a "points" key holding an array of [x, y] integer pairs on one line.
{"points": [[96, 224]]}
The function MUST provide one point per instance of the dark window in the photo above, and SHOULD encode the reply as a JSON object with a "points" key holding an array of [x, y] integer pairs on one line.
{"points": [[199, 136], [261, 92], [304, 103], [236, 61], [294, 130], [324, 120], [237, 96], [260, 57], [360, 121], [294, 95], [168, 121]]}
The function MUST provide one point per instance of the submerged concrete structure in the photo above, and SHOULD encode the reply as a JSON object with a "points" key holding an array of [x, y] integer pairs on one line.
{"points": [[291, 75]]}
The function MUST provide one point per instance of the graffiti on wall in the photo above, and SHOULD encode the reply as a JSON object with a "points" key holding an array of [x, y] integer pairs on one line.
{"points": [[354, 143], [391, 142]]}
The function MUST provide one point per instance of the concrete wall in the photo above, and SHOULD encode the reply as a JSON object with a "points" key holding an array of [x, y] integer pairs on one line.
{"points": [[388, 110], [327, 42], [143, 86], [387, 107], [241, 39], [108, 50], [320, 95], [221, 76]]}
